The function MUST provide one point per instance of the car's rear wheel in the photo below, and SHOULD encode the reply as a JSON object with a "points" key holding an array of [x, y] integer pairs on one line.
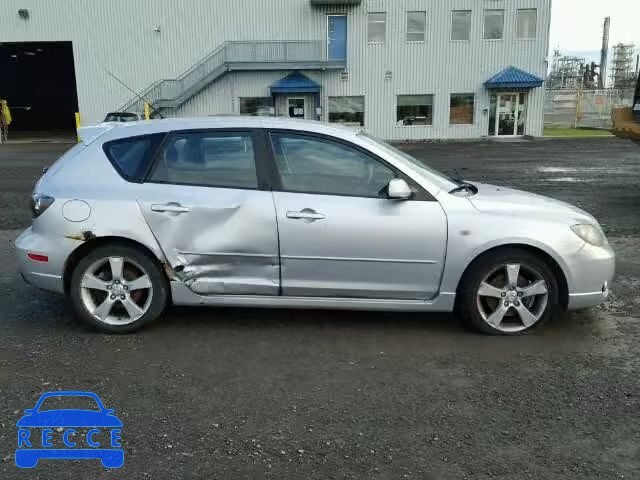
{"points": [[118, 288], [508, 292]]}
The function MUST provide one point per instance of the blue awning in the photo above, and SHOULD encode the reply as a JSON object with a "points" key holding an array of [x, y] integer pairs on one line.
{"points": [[295, 82], [513, 77]]}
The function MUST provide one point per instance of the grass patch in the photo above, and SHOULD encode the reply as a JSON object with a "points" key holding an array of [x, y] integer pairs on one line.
{"points": [[576, 132]]}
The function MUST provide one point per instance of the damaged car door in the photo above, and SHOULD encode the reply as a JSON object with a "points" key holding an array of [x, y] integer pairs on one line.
{"points": [[203, 202]]}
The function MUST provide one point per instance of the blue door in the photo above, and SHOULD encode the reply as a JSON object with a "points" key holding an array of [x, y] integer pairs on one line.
{"points": [[337, 37]]}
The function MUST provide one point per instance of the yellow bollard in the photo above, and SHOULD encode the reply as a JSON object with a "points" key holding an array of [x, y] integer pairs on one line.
{"points": [[147, 111], [77, 115]]}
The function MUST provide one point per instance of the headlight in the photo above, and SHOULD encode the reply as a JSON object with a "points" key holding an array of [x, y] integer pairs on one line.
{"points": [[590, 234], [39, 203]]}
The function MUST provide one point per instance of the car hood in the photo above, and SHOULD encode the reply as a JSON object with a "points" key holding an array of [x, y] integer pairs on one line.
{"points": [[69, 418], [493, 198]]}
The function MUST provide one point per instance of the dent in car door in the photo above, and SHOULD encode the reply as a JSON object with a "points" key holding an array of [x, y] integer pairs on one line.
{"points": [[220, 236]]}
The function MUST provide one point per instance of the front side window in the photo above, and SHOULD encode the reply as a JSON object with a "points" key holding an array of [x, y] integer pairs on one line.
{"points": [[347, 110], [131, 156], [256, 106], [414, 110], [317, 165], [462, 108], [209, 159], [493, 24], [527, 23], [416, 25], [461, 25], [376, 27]]}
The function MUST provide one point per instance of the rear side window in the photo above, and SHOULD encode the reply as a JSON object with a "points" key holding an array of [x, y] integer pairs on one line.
{"points": [[131, 156], [208, 159]]}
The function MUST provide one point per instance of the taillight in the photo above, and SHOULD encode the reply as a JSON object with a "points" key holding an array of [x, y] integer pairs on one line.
{"points": [[39, 203], [36, 257]]}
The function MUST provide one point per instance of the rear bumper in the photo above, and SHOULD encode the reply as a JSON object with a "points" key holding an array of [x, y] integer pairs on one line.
{"points": [[591, 273], [45, 275]]}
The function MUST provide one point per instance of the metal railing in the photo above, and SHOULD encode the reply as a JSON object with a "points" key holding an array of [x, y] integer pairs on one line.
{"points": [[170, 93]]}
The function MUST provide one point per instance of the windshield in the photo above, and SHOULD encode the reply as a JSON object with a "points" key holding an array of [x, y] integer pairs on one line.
{"points": [[69, 402], [438, 178]]}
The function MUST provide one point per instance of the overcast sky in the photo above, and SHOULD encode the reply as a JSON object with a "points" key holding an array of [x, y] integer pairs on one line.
{"points": [[576, 25]]}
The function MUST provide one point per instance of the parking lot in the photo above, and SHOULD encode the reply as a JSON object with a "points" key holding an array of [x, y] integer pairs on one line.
{"points": [[251, 393]]}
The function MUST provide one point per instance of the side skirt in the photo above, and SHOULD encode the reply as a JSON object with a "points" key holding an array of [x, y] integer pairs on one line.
{"points": [[181, 295]]}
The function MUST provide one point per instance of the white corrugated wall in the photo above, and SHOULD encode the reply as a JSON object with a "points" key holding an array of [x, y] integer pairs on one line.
{"points": [[119, 35]]}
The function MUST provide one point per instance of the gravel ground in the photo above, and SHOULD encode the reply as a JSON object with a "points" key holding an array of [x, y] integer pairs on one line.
{"points": [[249, 393]]}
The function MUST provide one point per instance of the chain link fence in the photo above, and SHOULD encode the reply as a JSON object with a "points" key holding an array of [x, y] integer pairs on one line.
{"points": [[567, 108]]}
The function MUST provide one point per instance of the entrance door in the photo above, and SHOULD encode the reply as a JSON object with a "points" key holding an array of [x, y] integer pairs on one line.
{"points": [[510, 114], [295, 107], [336, 37]]}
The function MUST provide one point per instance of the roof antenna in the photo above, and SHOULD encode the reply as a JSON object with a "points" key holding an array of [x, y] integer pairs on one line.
{"points": [[138, 96]]}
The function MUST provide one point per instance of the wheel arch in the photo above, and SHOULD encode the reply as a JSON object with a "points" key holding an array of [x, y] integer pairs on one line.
{"points": [[561, 278], [89, 245]]}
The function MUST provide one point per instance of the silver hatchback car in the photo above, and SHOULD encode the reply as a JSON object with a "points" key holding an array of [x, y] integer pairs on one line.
{"points": [[281, 213]]}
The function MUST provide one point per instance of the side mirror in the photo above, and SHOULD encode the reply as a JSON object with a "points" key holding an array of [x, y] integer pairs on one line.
{"points": [[398, 189]]}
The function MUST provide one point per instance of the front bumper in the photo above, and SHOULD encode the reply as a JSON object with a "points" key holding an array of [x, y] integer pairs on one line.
{"points": [[590, 273], [45, 275]]}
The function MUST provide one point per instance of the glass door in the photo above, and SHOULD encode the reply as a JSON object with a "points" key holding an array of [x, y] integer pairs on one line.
{"points": [[507, 114], [295, 107]]}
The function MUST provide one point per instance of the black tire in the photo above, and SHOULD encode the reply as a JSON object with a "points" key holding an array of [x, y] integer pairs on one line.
{"points": [[151, 268], [467, 302]]}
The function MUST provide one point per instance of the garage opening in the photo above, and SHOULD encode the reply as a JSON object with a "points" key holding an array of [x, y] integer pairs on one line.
{"points": [[38, 81]]}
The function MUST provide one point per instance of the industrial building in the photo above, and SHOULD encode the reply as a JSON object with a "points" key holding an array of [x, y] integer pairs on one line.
{"points": [[404, 69]]}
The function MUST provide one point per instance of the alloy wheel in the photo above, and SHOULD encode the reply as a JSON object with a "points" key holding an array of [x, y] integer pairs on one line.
{"points": [[116, 290], [512, 297]]}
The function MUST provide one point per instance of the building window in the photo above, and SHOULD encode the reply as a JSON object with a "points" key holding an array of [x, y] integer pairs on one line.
{"points": [[461, 108], [346, 110], [416, 23], [414, 110], [377, 27], [493, 24], [256, 106], [461, 25], [527, 23]]}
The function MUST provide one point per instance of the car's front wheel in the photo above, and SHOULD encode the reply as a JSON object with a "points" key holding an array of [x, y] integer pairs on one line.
{"points": [[118, 288], [508, 292]]}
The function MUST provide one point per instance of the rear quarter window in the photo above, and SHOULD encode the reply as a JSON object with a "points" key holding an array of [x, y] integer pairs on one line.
{"points": [[132, 156]]}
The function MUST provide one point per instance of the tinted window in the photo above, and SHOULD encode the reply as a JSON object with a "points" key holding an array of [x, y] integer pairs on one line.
{"points": [[461, 25], [121, 117], [461, 108], [527, 23], [377, 27], [416, 22], [131, 156], [493, 24], [316, 165], [347, 110], [211, 159], [414, 110]]}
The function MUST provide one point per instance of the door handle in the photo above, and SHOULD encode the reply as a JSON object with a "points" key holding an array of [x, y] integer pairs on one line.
{"points": [[306, 214], [169, 207]]}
